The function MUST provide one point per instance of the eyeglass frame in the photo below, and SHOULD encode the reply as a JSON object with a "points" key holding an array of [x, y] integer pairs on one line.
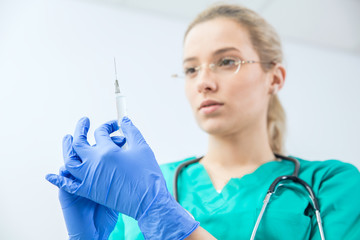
{"points": [[212, 66]]}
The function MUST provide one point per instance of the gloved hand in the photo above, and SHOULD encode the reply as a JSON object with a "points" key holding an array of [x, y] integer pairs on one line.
{"points": [[127, 180], [84, 218]]}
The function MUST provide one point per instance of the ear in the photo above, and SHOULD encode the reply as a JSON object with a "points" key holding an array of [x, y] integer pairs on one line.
{"points": [[278, 78]]}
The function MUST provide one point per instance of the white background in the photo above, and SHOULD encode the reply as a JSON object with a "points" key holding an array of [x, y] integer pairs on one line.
{"points": [[56, 65]]}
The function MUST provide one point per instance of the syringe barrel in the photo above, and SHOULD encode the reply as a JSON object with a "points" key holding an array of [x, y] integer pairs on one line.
{"points": [[120, 107]]}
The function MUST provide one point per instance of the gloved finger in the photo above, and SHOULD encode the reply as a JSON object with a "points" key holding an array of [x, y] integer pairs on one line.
{"points": [[65, 173], [132, 134], [66, 184], [102, 133], [119, 140], [72, 160], [80, 143]]}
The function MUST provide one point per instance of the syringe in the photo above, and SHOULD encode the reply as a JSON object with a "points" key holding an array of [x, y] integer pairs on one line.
{"points": [[120, 102]]}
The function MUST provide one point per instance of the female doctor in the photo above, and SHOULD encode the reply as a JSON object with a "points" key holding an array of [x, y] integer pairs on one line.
{"points": [[233, 69]]}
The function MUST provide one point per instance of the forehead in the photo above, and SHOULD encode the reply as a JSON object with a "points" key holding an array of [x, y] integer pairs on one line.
{"points": [[204, 39]]}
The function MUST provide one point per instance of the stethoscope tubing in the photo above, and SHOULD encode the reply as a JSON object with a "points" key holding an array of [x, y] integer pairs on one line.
{"points": [[177, 173]]}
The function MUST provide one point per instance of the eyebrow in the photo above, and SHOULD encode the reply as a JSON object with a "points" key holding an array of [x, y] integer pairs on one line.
{"points": [[217, 52]]}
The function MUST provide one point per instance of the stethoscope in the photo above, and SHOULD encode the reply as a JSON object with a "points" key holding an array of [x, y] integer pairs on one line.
{"points": [[294, 177]]}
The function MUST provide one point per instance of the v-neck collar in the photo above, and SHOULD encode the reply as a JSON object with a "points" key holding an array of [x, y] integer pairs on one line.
{"points": [[260, 176]]}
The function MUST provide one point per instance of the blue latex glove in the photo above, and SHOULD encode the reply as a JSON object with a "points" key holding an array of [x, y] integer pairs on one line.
{"points": [[127, 180], [84, 218]]}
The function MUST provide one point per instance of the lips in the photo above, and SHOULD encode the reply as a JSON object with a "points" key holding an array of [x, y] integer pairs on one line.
{"points": [[209, 106]]}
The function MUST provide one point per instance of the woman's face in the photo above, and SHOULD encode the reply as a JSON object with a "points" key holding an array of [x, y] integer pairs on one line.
{"points": [[224, 105]]}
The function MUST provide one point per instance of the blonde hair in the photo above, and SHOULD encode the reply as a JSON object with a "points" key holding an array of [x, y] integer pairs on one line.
{"points": [[267, 44]]}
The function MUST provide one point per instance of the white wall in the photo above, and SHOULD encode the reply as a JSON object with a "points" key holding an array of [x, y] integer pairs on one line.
{"points": [[322, 101], [56, 65]]}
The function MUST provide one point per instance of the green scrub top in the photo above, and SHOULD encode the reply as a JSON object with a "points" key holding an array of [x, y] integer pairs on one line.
{"points": [[232, 213]]}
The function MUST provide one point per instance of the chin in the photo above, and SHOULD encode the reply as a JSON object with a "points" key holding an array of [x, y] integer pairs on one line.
{"points": [[213, 126]]}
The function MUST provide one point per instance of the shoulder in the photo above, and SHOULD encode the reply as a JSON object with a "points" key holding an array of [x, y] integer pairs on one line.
{"points": [[326, 166], [317, 172], [169, 169], [335, 185]]}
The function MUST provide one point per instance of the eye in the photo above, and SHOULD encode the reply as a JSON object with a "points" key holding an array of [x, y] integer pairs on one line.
{"points": [[228, 62], [190, 71]]}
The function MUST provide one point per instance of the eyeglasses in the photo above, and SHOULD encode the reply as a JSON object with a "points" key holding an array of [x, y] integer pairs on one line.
{"points": [[225, 66]]}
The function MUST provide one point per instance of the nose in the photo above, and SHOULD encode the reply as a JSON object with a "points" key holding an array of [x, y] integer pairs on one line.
{"points": [[206, 80]]}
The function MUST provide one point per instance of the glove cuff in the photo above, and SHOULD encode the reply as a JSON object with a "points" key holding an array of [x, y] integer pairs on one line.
{"points": [[166, 219]]}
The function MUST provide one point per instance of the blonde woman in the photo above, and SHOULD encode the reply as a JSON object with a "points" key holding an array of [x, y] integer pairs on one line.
{"points": [[233, 69]]}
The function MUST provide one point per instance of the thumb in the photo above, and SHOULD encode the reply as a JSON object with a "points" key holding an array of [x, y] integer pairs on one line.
{"points": [[132, 134], [66, 184]]}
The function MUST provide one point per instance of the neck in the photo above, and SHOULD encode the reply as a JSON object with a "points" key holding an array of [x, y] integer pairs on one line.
{"points": [[245, 148]]}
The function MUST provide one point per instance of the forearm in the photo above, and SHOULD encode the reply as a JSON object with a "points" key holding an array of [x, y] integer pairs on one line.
{"points": [[200, 233]]}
